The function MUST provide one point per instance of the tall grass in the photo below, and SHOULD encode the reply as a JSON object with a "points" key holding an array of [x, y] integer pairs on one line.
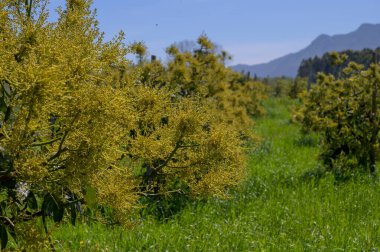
{"points": [[285, 204]]}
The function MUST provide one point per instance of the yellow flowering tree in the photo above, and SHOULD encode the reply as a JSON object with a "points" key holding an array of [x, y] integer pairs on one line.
{"points": [[194, 121], [61, 119], [83, 128], [344, 110]]}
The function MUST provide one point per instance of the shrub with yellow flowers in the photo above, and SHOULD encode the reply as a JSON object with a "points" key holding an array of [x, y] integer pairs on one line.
{"points": [[345, 111], [82, 129]]}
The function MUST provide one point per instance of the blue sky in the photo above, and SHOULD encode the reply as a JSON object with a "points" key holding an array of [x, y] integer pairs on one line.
{"points": [[253, 31]]}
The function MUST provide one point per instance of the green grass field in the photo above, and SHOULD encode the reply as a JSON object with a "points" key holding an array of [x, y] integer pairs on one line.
{"points": [[284, 205]]}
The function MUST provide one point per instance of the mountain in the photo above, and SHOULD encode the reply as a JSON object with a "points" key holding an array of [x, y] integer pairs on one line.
{"points": [[366, 36]]}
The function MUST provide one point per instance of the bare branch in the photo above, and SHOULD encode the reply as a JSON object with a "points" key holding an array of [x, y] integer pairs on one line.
{"points": [[45, 143], [7, 221], [171, 155]]}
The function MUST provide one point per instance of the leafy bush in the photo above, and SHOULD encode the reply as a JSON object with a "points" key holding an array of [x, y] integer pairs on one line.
{"points": [[83, 130], [344, 110]]}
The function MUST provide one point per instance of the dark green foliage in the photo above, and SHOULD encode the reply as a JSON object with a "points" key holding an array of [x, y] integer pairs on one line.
{"points": [[3, 236], [297, 87], [309, 68], [344, 110], [51, 206], [7, 180], [164, 207], [306, 140], [31, 201]]}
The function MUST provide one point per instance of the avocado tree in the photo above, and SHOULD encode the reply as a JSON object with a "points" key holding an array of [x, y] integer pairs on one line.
{"points": [[83, 130], [344, 110], [61, 120]]}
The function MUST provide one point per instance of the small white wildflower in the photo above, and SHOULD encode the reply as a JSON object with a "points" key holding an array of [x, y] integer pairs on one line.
{"points": [[22, 189]]}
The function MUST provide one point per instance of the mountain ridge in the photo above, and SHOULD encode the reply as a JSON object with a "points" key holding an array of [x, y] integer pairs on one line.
{"points": [[366, 36]]}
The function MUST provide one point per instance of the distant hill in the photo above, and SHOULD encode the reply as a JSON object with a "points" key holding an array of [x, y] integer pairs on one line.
{"points": [[366, 36]]}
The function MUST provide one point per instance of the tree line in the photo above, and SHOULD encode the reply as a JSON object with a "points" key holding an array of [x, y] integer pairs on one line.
{"points": [[310, 68]]}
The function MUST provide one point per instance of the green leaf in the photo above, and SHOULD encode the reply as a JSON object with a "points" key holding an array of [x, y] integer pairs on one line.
{"points": [[7, 114], [3, 106], [31, 201], [53, 207], [3, 236], [58, 213]]}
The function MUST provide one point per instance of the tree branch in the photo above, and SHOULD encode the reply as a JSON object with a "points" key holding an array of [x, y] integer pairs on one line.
{"points": [[171, 155], [45, 143], [7, 221], [60, 149]]}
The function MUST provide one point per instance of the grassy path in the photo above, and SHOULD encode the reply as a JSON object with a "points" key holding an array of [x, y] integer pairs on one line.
{"points": [[280, 207]]}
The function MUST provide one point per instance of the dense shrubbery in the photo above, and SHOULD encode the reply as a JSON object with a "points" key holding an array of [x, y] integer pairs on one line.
{"points": [[84, 130], [285, 87], [344, 110]]}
